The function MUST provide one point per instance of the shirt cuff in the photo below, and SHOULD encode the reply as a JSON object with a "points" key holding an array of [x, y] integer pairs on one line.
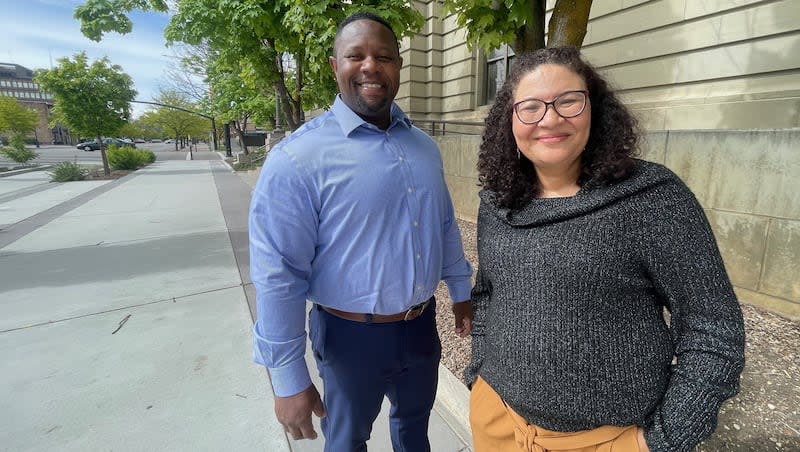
{"points": [[290, 379], [460, 291]]}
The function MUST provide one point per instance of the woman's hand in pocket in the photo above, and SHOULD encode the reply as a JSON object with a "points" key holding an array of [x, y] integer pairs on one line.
{"points": [[640, 439]]}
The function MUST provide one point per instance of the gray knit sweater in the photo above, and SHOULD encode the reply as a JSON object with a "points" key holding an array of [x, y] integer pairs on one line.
{"points": [[569, 300]]}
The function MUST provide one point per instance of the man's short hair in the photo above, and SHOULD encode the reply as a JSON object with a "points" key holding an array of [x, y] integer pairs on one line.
{"points": [[363, 16]]}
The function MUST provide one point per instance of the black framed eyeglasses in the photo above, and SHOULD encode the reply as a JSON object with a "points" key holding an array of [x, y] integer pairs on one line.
{"points": [[567, 104]]}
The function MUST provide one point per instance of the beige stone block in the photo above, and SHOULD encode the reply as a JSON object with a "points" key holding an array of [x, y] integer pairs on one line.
{"points": [[455, 55], [757, 172], [736, 60], [460, 69], [679, 37], [464, 85], [423, 58], [756, 114], [632, 3], [462, 154], [426, 42], [654, 147], [691, 156], [751, 172], [632, 20], [760, 20], [696, 9], [602, 8], [777, 305], [423, 105], [455, 39], [747, 89], [649, 118], [464, 192], [421, 74], [450, 154], [782, 260], [742, 241], [460, 102]]}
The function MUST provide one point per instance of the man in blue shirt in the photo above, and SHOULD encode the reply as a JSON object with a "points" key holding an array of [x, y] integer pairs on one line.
{"points": [[352, 213]]}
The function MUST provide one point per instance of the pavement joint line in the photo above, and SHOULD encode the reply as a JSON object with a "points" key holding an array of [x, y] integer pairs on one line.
{"points": [[121, 308], [23, 192], [4, 254], [34, 222]]}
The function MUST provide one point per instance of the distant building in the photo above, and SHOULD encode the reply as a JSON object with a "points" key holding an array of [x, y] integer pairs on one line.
{"points": [[17, 81]]}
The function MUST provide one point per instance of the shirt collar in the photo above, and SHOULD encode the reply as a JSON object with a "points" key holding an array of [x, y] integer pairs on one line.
{"points": [[349, 121]]}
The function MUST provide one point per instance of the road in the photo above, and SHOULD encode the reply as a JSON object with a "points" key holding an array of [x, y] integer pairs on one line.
{"points": [[53, 154]]}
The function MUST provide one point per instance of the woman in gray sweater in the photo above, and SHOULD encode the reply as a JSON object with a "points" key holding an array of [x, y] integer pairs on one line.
{"points": [[582, 249]]}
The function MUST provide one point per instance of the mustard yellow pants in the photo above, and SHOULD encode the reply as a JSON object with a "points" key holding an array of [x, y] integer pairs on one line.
{"points": [[497, 428]]}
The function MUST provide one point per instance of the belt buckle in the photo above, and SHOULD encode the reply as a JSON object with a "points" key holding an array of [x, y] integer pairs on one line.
{"points": [[418, 309]]}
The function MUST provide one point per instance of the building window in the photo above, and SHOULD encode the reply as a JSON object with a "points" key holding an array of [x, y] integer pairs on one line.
{"points": [[498, 63]]}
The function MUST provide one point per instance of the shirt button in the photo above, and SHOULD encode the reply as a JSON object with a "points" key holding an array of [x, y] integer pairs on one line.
{"points": [[416, 224], [419, 256], [410, 189]]}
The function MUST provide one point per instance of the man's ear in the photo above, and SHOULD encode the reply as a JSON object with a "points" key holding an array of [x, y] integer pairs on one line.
{"points": [[333, 62]]}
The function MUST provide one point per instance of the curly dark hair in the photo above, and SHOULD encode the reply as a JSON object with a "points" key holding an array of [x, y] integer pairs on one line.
{"points": [[612, 144]]}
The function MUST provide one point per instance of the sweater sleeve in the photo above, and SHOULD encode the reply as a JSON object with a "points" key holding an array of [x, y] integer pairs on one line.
{"points": [[706, 324], [480, 296]]}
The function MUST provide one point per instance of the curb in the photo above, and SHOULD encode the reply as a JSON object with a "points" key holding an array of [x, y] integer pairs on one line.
{"points": [[452, 403], [24, 170], [222, 157]]}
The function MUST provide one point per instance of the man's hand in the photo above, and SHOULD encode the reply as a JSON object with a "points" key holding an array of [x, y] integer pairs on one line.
{"points": [[294, 412], [463, 314]]}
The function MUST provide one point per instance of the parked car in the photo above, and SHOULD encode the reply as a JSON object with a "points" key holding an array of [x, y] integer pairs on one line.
{"points": [[94, 145], [155, 140], [139, 140], [170, 141]]}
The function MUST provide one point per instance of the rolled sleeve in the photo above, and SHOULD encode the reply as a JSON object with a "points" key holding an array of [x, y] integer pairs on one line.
{"points": [[285, 361], [282, 229]]}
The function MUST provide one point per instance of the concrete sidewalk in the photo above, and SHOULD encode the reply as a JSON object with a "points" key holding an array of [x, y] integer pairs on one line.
{"points": [[126, 316]]}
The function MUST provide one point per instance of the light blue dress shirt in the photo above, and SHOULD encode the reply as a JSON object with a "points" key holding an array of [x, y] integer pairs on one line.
{"points": [[352, 217]]}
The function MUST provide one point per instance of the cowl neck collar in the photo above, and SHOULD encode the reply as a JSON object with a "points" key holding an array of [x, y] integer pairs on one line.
{"points": [[591, 197]]}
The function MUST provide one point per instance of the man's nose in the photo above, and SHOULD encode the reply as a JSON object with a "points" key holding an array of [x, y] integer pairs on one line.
{"points": [[369, 64]]}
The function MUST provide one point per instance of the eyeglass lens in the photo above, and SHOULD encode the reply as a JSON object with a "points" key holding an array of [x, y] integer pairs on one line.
{"points": [[567, 105]]}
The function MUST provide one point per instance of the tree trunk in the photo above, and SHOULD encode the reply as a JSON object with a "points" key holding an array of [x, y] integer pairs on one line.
{"points": [[298, 89], [106, 168], [568, 23], [531, 36], [285, 100]]}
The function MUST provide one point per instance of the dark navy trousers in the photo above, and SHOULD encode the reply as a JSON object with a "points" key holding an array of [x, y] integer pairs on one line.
{"points": [[360, 363]]}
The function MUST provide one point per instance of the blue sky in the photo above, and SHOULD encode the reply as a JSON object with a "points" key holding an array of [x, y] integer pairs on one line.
{"points": [[36, 32]]}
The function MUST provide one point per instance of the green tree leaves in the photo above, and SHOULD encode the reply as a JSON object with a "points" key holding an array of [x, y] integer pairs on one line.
{"points": [[520, 23], [92, 100]]}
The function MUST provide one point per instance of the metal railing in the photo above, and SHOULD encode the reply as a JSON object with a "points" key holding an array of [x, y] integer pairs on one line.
{"points": [[436, 127]]}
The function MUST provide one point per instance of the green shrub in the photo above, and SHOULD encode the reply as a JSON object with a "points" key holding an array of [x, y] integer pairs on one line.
{"points": [[245, 166], [17, 150], [148, 157], [67, 171], [19, 155], [125, 158]]}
